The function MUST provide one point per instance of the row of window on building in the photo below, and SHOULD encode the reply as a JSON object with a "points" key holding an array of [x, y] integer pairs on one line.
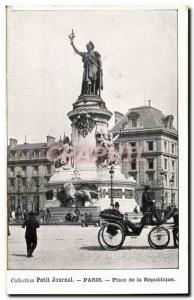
{"points": [[150, 178], [133, 166], [150, 164], [12, 171], [23, 181], [27, 154], [168, 147], [43, 153]]}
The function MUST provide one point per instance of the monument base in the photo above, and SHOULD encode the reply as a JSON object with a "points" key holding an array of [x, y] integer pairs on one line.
{"points": [[96, 181]]}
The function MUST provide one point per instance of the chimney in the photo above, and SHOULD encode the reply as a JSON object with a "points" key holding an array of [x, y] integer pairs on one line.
{"points": [[149, 102], [13, 142], [25, 140], [118, 116], [50, 140]]}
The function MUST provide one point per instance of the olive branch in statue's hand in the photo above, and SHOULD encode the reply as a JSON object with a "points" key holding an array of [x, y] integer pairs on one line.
{"points": [[72, 36]]}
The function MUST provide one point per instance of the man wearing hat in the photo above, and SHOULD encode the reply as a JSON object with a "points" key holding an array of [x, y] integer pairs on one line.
{"points": [[134, 227], [148, 203], [117, 205], [31, 225]]}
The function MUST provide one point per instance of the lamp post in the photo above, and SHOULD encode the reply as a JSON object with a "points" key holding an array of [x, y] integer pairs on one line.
{"points": [[111, 185], [18, 202], [9, 206], [171, 184], [37, 195], [162, 173], [12, 198]]}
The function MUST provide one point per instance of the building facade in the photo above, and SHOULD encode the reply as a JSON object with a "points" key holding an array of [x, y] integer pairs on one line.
{"points": [[29, 170], [148, 144]]}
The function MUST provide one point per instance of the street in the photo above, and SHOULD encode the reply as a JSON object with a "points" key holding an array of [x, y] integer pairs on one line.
{"points": [[75, 247]]}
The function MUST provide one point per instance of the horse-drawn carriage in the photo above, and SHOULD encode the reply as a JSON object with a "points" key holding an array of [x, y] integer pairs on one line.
{"points": [[115, 228]]}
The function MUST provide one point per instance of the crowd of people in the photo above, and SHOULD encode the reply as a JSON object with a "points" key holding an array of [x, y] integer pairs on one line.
{"points": [[44, 215]]}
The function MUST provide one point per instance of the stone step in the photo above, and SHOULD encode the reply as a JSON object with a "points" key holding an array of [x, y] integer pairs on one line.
{"points": [[71, 209], [86, 214], [81, 216]]}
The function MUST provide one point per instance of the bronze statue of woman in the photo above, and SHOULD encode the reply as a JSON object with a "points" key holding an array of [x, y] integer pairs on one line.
{"points": [[92, 75]]}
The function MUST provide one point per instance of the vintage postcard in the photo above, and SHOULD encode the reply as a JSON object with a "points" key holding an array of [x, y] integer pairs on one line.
{"points": [[97, 157]]}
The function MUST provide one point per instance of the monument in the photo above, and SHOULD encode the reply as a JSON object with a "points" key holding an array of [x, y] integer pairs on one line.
{"points": [[84, 163]]}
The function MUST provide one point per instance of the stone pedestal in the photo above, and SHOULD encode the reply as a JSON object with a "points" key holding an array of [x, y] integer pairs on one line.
{"points": [[88, 117]]}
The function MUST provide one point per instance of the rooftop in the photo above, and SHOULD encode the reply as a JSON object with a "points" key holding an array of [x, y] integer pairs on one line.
{"points": [[33, 146], [148, 117]]}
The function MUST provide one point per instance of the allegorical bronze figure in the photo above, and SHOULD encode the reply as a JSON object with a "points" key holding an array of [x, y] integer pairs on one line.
{"points": [[92, 74]]}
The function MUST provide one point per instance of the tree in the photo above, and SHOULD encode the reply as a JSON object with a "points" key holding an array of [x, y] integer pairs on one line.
{"points": [[30, 192], [34, 185]]}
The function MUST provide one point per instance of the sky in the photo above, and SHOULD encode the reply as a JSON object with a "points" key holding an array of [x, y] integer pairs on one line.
{"points": [[139, 60]]}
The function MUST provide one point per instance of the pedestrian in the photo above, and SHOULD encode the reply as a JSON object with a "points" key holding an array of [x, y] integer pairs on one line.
{"points": [[44, 214], [68, 217], [48, 214], [86, 219], [135, 210], [8, 218], [31, 225], [13, 215]]}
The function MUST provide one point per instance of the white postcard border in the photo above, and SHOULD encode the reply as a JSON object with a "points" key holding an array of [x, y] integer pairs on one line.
{"points": [[180, 275]]}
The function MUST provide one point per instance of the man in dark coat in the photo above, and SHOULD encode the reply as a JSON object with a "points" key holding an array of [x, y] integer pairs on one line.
{"points": [[31, 225], [134, 227], [175, 230], [148, 203]]}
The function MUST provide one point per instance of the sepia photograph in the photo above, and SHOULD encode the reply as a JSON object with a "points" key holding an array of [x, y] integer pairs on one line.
{"points": [[93, 153]]}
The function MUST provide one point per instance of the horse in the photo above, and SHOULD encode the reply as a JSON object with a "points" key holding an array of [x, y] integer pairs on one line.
{"points": [[173, 212]]}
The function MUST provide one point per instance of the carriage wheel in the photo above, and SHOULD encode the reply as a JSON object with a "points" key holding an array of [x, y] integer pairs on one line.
{"points": [[100, 239], [111, 236], [159, 237]]}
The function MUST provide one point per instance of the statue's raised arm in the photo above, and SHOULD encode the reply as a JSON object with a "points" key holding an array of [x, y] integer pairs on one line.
{"points": [[71, 37], [92, 75]]}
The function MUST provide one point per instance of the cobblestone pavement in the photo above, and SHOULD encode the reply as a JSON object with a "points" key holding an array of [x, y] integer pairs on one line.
{"points": [[74, 247]]}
